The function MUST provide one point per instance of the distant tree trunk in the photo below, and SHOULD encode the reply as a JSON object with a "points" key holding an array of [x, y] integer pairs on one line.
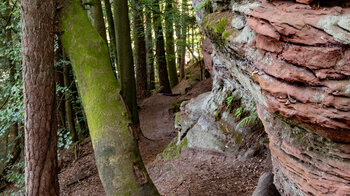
{"points": [[99, 23], [125, 57], [14, 127], [140, 49], [149, 49], [16, 151], [68, 104], [169, 37], [160, 52], [178, 36], [60, 81], [111, 33], [39, 97], [183, 39], [117, 157], [80, 114], [192, 37]]}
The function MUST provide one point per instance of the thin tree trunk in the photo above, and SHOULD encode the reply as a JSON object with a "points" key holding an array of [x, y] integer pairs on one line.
{"points": [[111, 33], [39, 97], [117, 157], [149, 49], [140, 49], [99, 22], [60, 81], [68, 104], [16, 151], [125, 57], [183, 42], [192, 37], [169, 36], [178, 47], [80, 114], [160, 52]]}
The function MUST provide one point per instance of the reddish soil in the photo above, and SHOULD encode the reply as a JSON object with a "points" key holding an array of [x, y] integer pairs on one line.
{"points": [[78, 174], [194, 172]]}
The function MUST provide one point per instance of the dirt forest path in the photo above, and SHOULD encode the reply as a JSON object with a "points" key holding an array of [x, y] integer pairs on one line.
{"points": [[196, 171], [156, 124]]}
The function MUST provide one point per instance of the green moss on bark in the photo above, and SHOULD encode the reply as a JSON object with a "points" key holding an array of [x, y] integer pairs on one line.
{"points": [[115, 149]]}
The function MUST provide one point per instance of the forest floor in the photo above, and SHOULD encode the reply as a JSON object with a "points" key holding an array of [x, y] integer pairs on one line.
{"points": [[193, 172]]}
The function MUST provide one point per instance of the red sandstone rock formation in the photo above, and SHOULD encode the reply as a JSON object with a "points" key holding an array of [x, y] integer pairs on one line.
{"points": [[299, 57]]}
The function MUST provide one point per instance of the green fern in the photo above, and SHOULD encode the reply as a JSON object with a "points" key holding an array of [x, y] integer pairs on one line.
{"points": [[202, 5], [220, 26], [233, 97], [239, 112], [248, 121]]}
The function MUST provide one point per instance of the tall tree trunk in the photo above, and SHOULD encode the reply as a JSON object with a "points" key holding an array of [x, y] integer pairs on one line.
{"points": [[16, 150], [111, 33], [68, 104], [183, 39], [60, 81], [169, 37], [14, 127], [117, 157], [39, 97], [125, 58], [149, 48], [99, 22], [140, 49], [80, 113], [178, 36], [192, 37], [160, 52]]}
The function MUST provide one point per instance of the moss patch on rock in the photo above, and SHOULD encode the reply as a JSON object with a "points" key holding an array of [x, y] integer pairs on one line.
{"points": [[218, 26], [172, 151]]}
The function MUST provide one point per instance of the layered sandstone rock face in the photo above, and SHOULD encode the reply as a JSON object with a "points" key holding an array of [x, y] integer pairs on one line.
{"points": [[293, 58]]}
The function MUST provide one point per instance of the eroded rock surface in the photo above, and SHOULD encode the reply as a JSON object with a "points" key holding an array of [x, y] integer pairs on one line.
{"points": [[293, 59]]}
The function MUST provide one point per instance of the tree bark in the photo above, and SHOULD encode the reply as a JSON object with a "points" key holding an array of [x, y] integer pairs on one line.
{"points": [[125, 57], [149, 48], [140, 49], [160, 52], [117, 157], [39, 97], [169, 37], [99, 22]]}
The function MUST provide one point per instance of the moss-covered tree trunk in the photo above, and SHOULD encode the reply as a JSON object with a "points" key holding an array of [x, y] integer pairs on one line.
{"points": [[117, 157], [160, 51], [169, 37], [125, 57], [140, 49], [149, 48]]}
